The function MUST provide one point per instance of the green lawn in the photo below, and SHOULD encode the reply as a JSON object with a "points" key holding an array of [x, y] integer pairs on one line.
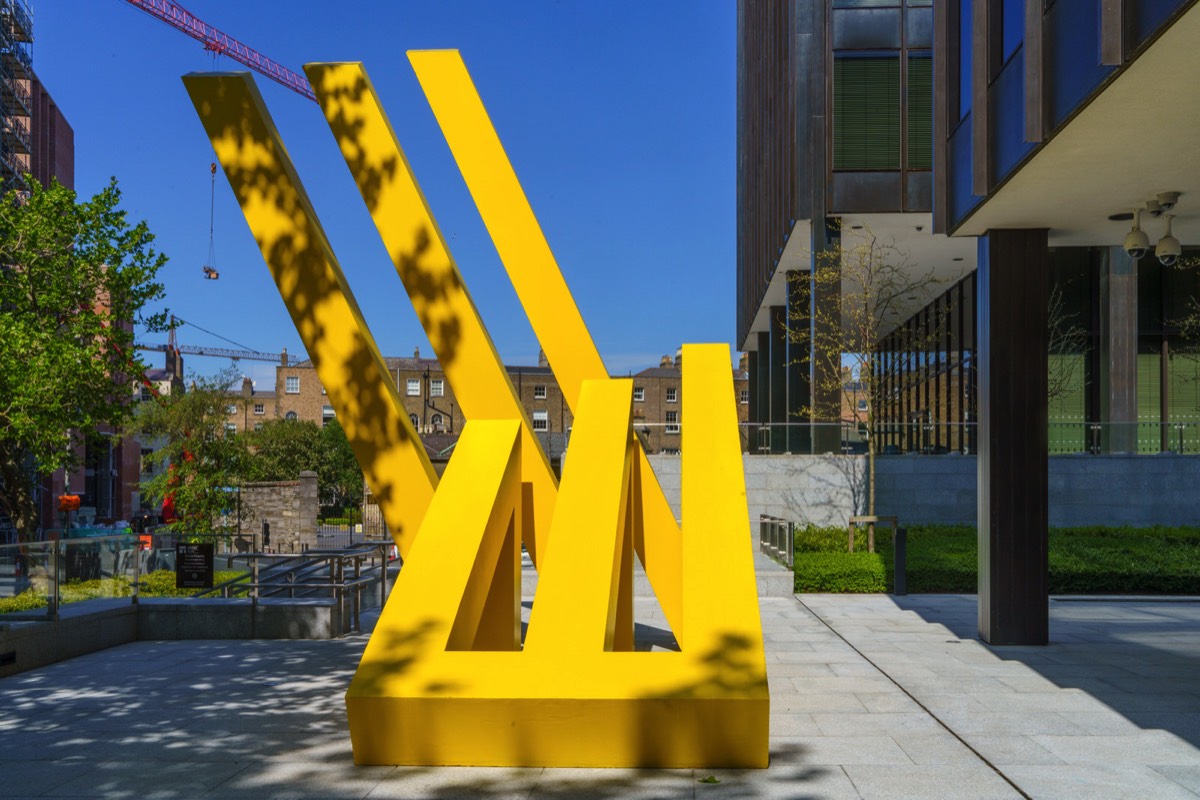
{"points": [[942, 558]]}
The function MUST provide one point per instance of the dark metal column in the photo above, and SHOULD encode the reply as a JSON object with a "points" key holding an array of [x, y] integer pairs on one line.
{"points": [[1118, 351], [779, 370], [1013, 289], [799, 388], [763, 397]]}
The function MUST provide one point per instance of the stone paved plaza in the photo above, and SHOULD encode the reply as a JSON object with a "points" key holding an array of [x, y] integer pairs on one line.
{"points": [[872, 696]]}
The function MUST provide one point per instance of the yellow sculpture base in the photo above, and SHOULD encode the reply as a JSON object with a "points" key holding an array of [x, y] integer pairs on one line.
{"points": [[575, 729]]}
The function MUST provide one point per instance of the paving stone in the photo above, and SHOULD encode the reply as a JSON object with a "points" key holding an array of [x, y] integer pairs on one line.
{"points": [[1096, 782], [954, 782], [941, 749]]}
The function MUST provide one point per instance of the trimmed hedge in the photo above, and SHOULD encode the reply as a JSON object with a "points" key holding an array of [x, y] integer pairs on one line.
{"points": [[160, 583], [943, 558]]}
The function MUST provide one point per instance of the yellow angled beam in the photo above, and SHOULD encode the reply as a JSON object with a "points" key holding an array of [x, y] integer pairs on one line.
{"points": [[720, 598], [442, 597], [543, 292], [427, 269], [323, 308], [586, 573]]}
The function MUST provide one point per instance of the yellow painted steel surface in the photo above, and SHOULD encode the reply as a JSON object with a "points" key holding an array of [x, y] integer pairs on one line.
{"points": [[309, 278], [434, 285], [543, 292], [445, 678]]}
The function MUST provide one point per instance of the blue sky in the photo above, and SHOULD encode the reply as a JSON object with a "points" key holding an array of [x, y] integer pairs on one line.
{"points": [[619, 118]]}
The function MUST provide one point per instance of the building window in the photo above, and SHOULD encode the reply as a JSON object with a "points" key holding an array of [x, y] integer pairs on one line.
{"points": [[862, 404], [327, 414], [413, 419], [920, 110], [414, 387], [744, 396], [1012, 28], [672, 395], [672, 422], [258, 426], [147, 463], [292, 384], [866, 112], [437, 388], [436, 422], [260, 408], [146, 394], [230, 427], [291, 416], [639, 394], [322, 390], [539, 392], [230, 409], [541, 420]]}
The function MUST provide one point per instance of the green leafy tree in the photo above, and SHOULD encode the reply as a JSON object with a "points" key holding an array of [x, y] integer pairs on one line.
{"points": [[339, 477], [282, 449], [75, 277], [205, 463]]}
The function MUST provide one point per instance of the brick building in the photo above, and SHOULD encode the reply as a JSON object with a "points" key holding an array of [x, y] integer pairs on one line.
{"points": [[249, 407], [434, 411]]}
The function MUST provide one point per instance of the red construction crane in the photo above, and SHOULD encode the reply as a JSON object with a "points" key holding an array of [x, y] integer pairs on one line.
{"points": [[179, 17]]}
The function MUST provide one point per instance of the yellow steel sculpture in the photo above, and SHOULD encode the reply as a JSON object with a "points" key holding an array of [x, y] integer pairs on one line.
{"points": [[544, 294], [428, 272], [444, 679]]}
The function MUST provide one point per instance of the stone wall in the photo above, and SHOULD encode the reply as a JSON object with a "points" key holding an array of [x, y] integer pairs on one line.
{"points": [[290, 507], [1084, 490]]}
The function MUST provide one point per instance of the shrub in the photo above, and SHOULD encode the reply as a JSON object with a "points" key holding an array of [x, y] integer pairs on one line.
{"points": [[840, 572], [1082, 560]]}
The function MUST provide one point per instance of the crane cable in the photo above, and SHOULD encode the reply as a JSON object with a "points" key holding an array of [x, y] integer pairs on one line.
{"points": [[210, 265]]}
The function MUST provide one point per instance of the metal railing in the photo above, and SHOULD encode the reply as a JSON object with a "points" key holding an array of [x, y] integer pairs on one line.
{"points": [[776, 538], [938, 438], [336, 574]]}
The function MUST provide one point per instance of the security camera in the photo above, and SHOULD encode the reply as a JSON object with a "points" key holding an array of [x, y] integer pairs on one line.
{"points": [[1137, 243], [1168, 249], [1168, 200], [1154, 208]]}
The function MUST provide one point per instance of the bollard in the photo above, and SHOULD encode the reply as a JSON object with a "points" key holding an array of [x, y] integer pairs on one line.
{"points": [[900, 557]]}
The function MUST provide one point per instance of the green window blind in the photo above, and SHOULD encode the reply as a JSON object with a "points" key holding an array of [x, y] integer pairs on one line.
{"points": [[920, 111], [1149, 394], [1066, 409], [866, 112], [1184, 400]]}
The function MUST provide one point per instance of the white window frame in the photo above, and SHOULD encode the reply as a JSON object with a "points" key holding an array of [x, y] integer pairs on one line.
{"points": [[230, 427], [744, 397], [437, 387], [290, 416], [436, 421], [415, 420], [260, 408], [414, 387], [258, 426], [541, 420], [539, 392], [231, 408], [672, 394], [672, 420], [639, 394], [291, 384]]}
